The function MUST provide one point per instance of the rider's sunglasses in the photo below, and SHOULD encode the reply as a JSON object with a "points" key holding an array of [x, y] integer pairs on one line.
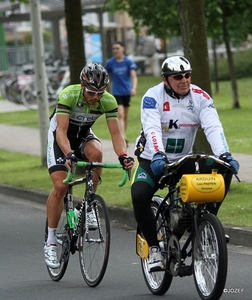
{"points": [[93, 93], [180, 76]]}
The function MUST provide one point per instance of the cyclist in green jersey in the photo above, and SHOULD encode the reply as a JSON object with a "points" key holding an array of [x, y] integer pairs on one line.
{"points": [[70, 137]]}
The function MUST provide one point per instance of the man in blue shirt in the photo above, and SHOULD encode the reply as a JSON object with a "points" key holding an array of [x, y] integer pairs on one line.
{"points": [[122, 71]]}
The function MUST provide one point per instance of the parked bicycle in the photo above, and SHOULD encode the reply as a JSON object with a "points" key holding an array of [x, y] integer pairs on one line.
{"points": [[73, 233], [29, 91], [192, 240], [12, 82], [18, 85]]}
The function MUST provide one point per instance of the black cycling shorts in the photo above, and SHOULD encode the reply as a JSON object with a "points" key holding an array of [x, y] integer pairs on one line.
{"points": [[55, 157]]}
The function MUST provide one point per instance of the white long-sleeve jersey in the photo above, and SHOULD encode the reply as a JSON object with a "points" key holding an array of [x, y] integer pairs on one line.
{"points": [[170, 124]]}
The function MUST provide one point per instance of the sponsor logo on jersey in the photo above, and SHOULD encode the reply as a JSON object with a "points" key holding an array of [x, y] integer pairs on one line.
{"points": [[203, 93], [60, 160], [175, 125], [190, 106], [108, 100], [154, 141], [149, 102], [211, 105], [66, 95], [166, 106], [174, 145], [49, 156], [142, 176], [84, 118]]}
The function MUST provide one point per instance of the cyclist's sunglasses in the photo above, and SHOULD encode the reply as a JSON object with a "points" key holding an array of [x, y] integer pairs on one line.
{"points": [[92, 93], [180, 76]]}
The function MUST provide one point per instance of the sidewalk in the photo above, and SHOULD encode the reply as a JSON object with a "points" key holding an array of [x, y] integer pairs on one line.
{"points": [[27, 140]]}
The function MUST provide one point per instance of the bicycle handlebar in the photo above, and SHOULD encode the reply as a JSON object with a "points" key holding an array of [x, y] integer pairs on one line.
{"points": [[172, 166], [93, 165]]}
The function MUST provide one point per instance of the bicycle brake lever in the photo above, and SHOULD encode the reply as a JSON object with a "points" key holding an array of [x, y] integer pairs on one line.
{"points": [[161, 179], [129, 174], [238, 179]]}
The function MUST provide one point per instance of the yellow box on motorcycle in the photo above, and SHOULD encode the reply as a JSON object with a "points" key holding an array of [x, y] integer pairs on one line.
{"points": [[201, 188]]}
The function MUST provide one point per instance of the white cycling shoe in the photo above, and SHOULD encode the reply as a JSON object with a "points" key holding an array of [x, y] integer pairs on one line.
{"points": [[51, 256]]}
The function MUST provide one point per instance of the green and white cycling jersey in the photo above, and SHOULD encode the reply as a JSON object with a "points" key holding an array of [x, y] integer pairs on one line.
{"points": [[170, 124], [81, 114]]}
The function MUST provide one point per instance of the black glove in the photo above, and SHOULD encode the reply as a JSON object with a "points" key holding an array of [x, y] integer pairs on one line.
{"points": [[70, 156], [227, 157], [158, 162], [122, 156]]}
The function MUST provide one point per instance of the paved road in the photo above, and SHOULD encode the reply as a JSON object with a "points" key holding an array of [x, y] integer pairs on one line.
{"points": [[23, 275]]}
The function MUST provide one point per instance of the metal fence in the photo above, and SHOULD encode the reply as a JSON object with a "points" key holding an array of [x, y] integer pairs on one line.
{"points": [[14, 56]]}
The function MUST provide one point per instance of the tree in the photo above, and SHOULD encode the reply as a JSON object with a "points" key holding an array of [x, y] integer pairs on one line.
{"points": [[161, 19], [194, 37], [73, 15], [231, 22]]}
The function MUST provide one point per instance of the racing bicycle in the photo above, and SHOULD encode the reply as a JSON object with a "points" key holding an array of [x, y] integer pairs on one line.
{"points": [[73, 233], [192, 240]]}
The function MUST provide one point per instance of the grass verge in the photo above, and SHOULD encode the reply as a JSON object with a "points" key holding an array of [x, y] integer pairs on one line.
{"points": [[25, 171]]}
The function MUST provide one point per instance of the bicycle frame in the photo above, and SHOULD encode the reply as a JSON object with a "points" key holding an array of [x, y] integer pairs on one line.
{"points": [[89, 233], [74, 224]]}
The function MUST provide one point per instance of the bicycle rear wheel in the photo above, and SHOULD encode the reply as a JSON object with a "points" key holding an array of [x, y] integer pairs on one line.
{"points": [[28, 96], [210, 258], [94, 245], [63, 246], [157, 282]]}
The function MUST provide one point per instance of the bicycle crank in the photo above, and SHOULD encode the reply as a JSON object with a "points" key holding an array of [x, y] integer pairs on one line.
{"points": [[174, 255]]}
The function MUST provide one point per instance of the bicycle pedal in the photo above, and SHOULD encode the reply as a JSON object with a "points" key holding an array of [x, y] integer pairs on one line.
{"points": [[185, 271], [227, 238], [157, 269]]}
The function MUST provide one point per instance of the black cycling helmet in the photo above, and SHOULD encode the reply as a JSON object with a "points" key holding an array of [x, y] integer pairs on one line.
{"points": [[175, 65], [95, 76]]}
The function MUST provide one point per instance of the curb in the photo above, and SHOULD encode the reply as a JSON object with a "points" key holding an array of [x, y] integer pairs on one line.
{"points": [[238, 235]]}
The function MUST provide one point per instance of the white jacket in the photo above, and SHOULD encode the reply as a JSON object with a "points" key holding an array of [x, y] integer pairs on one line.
{"points": [[170, 124]]}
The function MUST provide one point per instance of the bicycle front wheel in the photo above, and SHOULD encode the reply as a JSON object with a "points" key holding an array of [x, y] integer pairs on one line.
{"points": [[63, 247], [94, 245], [210, 258], [157, 282]]}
